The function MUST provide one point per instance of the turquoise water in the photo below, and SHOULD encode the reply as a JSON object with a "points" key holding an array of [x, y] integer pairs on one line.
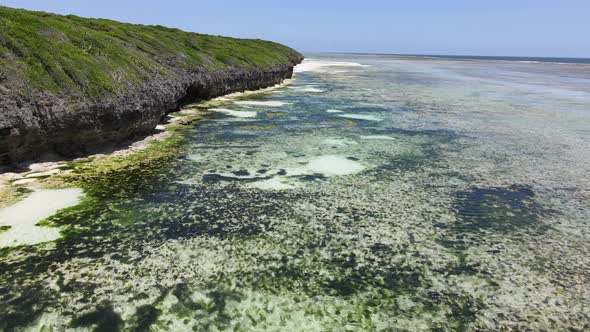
{"points": [[371, 193]]}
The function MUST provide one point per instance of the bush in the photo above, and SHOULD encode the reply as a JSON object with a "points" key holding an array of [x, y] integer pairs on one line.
{"points": [[89, 57]]}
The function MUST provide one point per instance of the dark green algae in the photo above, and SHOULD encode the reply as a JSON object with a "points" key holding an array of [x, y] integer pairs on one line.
{"points": [[26, 300], [104, 224], [119, 212], [504, 210], [139, 201]]}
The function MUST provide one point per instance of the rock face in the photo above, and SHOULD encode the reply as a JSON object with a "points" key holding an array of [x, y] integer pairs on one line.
{"points": [[46, 122], [70, 84]]}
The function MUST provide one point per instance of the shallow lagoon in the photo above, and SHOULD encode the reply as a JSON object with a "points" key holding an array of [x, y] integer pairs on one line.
{"points": [[464, 207]]}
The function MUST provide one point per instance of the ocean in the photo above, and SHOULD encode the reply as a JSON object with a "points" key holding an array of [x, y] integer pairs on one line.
{"points": [[372, 192], [525, 59]]}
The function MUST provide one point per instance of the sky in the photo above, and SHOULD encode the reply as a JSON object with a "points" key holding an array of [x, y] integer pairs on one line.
{"points": [[556, 28]]}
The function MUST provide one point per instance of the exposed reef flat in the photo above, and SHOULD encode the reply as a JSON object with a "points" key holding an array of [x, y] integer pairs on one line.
{"points": [[165, 140], [461, 210]]}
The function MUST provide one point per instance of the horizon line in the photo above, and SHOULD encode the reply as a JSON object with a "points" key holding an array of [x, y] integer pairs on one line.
{"points": [[454, 55]]}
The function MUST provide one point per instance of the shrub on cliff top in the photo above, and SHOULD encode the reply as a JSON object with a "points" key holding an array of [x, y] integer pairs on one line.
{"points": [[89, 57]]}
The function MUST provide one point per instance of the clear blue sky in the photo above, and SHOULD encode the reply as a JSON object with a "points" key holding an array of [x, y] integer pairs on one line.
{"points": [[472, 27]]}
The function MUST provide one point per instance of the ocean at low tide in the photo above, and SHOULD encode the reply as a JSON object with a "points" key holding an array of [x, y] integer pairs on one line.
{"points": [[371, 193]]}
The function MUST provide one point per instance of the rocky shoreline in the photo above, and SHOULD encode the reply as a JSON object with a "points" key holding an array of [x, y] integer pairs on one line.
{"points": [[43, 122]]}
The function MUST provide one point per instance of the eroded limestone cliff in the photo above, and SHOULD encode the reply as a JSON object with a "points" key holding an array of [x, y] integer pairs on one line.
{"points": [[69, 84]]}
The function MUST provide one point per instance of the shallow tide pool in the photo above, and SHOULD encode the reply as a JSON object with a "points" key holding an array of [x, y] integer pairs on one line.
{"points": [[371, 193]]}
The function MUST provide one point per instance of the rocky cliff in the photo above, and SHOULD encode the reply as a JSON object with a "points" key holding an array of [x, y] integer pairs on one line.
{"points": [[69, 84]]}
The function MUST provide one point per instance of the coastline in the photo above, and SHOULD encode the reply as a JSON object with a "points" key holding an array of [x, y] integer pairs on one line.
{"points": [[55, 172], [88, 95], [460, 200]]}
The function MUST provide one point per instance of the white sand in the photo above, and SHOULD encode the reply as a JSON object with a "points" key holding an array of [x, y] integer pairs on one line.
{"points": [[23, 216], [42, 174], [252, 175], [334, 111], [367, 117], [238, 114], [273, 184], [319, 66], [234, 95], [333, 166], [311, 89], [308, 88], [44, 166], [269, 103], [23, 182], [141, 145], [378, 137], [328, 165]]}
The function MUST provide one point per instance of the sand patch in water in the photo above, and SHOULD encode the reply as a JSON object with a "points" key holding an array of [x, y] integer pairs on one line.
{"points": [[285, 178], [308, 88], [237, 114], [273, 184], [366, 117], [269, 103], [332, 166], [23, 216]]}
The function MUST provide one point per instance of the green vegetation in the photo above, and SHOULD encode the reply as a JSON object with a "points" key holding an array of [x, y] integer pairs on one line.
{"points": [[92, 57], [113, 175], [10, 194], [119, 175]]}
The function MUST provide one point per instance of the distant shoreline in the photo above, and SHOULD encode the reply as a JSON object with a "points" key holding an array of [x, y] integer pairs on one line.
{"points": [[524, 59]]}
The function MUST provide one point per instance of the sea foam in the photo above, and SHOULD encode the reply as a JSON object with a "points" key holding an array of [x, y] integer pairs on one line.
{"points": [[319, 66]]}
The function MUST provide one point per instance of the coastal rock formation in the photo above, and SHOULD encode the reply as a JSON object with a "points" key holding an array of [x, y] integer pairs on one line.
{"points": [[59, 91], [46, 122]]}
